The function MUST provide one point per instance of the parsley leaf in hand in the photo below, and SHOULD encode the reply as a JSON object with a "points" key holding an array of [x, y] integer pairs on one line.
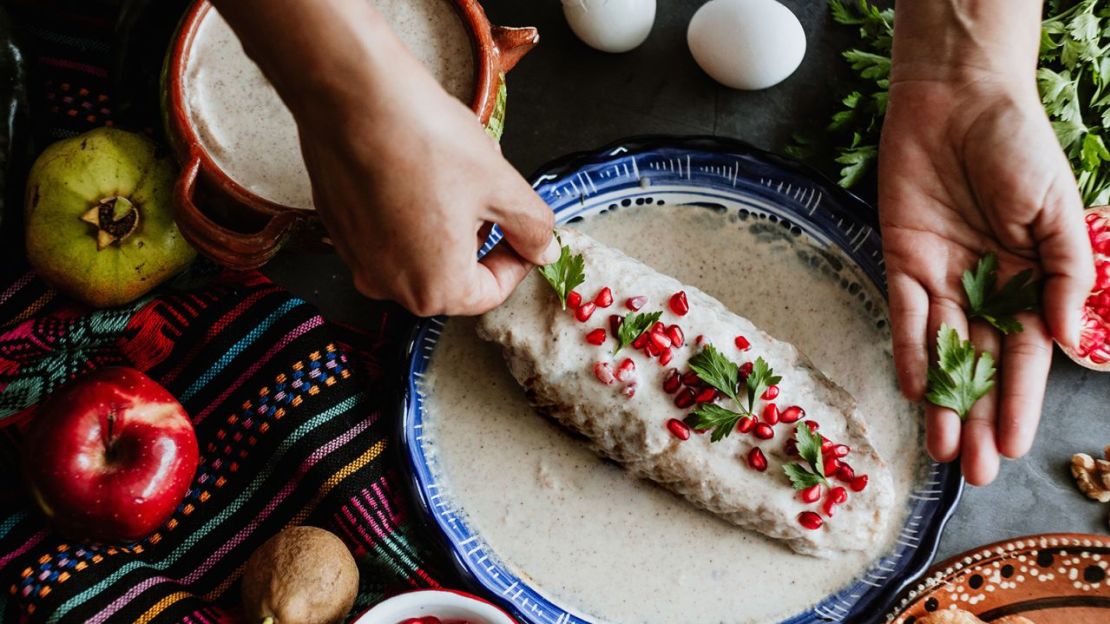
{"points": [[1019, 294], [959, 378], [565, 274], [632, 326], [809, 448]]}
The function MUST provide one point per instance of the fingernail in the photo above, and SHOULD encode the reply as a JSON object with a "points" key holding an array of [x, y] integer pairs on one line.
{"points": [[551, 254]]}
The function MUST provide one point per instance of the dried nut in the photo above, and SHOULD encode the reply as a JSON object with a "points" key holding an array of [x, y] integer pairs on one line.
{"points": [[1083, 469], [1106, 452], [1102, 465], [1081, 461]]}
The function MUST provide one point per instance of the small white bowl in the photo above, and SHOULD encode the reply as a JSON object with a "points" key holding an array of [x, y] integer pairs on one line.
{"points": [[444, 604]]}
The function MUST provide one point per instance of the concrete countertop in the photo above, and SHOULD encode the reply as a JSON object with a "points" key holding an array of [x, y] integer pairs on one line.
{"points": [[565, 97]]}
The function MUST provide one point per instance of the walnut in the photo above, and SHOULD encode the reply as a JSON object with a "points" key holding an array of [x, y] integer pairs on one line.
{"points": [[1091, 476]]}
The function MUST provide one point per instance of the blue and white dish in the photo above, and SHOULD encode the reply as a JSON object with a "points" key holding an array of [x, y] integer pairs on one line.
{"points": [[717, 173]]}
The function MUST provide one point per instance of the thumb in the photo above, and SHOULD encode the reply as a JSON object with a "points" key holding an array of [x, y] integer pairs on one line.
{"points": [[528, 224], [1065, 252]]}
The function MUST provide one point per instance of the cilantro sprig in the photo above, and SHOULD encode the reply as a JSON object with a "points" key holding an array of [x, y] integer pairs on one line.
{"points": [[998, 307], [566, 273], [713, 368], [632, 326], [960, 377], [812, 471]]}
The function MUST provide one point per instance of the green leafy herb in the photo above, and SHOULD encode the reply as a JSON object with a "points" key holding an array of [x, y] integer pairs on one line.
{"points": [[812, 472], [632, 326], [565, 274], [1019, 294], [959, 378], [761, 378], [721, 420], [1073, 78], [716, 370]]}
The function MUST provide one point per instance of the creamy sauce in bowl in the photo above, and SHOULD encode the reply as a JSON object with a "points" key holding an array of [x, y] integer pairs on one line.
{"points": [[613, 548], [247, 129]]}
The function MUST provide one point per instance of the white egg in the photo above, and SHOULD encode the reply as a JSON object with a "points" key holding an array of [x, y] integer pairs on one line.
{"points": [[746, 44], [610, 25]]}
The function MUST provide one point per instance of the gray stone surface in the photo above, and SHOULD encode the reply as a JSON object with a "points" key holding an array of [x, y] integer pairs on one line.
{"points": [[565, 97]]}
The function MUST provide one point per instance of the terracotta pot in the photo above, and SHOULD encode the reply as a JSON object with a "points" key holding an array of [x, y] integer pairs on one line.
{"points": [[250, 229]]}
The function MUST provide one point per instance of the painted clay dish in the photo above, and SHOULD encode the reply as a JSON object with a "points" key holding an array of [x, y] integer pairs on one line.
{"points": [[242, 230], [1049, 579]]}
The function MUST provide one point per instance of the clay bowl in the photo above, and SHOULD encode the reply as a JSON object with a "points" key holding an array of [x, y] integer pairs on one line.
{"points": [[242, 230]]}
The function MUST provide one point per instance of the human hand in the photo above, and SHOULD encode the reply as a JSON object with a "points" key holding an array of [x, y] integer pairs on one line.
{"points": [[966, 167]]}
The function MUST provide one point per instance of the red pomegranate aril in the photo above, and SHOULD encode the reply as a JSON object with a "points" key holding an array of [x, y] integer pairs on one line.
{"points": [[674, 332], [829, 507], [672, 382], [629, 390], [810, 520], [792, 414], [574, 299], [771, 414], [770, 393], [604, 298], [757, 460], [635, 303], [845, 473], [811, 494], [640, 342], [665, 357], [690, 378], [584, 312], [832, 464], [596, 337], [678, 302], [658, 327], [706, 395], [838, 495], [660, 340], [746, 369], [700, 340], [791, 447], [812, 424], [652, 349], [615, 321], [604, 373], [742, 343], [684, 399], [626, 370], [841, 450], [679, 429], [826, 445], [745, 424], [858, 484], [763, 431]]}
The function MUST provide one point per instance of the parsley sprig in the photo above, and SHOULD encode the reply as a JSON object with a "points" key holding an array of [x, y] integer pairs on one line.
{"points": [[998, 307], [812, 472], [959, 378], [718, 371], [632, 326], [566, 273]]}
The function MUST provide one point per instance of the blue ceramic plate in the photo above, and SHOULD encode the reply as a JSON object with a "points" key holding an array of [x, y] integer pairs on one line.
{"points": [[717, 173]]}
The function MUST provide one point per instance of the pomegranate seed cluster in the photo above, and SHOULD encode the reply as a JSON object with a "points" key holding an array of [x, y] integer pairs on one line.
{"points": [[1094, 340], [688, 390]]}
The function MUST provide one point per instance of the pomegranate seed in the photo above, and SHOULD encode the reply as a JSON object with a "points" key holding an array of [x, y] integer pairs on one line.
{"points": [[858, 484], [657, 328], [691, 379], [596, 337], [615, 321], [604, 298], [627, 370], [845, 473], [660, 340], [770, 393], [810, 520], [706, 395], [665, 357], [829, 507], [811, 494], [652, 349], [813, 425], [674, 332], [640, 342], [574, 299], [635, 303], [826, 445], [700, 340], [679, 305], [746, 369], [838, 495], [771, 414], [629, 390], [791, 447], [679, 429], [746, 424], [841, 450], [792, 414], [763, 431], [757, 460], [584, 312], [832, 465], [604, 373], [684, 399], [672, 382], [742, 343]]}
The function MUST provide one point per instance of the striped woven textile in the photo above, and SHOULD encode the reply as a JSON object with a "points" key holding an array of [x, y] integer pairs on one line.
{"points": [[291, 429]]}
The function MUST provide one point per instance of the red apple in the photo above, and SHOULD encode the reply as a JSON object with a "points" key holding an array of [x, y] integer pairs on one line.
{"points": [[110, 456]]}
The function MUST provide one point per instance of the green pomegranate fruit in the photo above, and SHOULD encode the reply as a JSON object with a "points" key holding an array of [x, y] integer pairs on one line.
{"points": [[99, 218]]}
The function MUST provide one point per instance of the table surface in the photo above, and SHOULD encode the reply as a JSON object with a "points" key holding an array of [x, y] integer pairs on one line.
{"points": [[565, 97]]}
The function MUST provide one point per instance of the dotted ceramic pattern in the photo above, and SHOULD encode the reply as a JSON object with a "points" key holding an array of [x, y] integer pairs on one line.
{"points": [[1049, 578], [725, 176]]}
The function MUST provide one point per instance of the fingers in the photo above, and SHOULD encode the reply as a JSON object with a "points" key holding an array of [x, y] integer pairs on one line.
{"points": [[909, 320], [490, 282], [1065, 252], [978, 451], [942, 425], [1027, 357], [527, 223]]}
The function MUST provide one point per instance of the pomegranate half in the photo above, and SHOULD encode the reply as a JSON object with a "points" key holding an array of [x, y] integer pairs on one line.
{"points": [[1094, 340]]}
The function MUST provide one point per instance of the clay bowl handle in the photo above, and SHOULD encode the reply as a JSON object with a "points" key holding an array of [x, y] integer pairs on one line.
{"points": [[235, 250], [513, 43]]}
